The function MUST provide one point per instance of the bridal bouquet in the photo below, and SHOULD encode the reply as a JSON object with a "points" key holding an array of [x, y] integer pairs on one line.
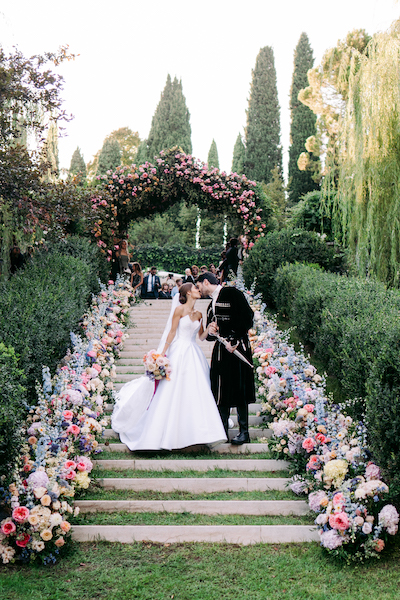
{"points": [[156, 366]]}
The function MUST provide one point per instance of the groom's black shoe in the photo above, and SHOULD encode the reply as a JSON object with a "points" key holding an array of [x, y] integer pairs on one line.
{"points": [[241, 438]]}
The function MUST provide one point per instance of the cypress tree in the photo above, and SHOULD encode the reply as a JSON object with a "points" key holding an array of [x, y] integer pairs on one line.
{"points": [[212, 159], [110, 156], [50, 153], [170, 125], [78, 164], [263, 150], [239, 152], [302, 122]]}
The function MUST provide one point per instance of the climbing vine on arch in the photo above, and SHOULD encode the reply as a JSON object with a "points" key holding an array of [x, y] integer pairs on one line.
{"points": [[142, 190]]}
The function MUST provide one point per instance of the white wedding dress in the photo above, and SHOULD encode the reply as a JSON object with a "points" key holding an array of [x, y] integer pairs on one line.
{"points": [[182, 412]]}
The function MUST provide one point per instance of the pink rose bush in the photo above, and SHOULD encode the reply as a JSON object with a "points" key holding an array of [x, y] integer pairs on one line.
{"points": [[326, 450], [138, 190], [61, 434]]}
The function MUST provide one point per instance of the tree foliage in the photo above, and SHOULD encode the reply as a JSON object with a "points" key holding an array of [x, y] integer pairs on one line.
{"points": [[302, 124], [109, 157], [212, 159], [239, 152], [170, 125], [367, 203], [78, 166], [326, 96], [263, 132]]}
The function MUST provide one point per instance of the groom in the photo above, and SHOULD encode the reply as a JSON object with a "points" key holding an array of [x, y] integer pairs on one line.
{"points": [[232, 381]]}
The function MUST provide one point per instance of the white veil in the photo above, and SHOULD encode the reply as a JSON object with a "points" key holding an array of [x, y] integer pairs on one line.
{"points": [[175, 303], [134, 397]]}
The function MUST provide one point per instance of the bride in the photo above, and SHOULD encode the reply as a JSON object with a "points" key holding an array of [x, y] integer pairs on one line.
{"points": [[182, 412]]}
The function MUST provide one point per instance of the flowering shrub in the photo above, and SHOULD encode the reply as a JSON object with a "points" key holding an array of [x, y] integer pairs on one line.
{"points": [[61, 433], [326, 448], [141, 190]]}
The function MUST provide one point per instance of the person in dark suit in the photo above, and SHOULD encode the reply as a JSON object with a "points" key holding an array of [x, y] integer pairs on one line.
{"points": [[232, 380], [151, 284]]}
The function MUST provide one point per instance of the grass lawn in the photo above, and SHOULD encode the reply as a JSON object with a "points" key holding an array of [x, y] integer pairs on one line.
{"points": [[187, 473], [102, 571]]}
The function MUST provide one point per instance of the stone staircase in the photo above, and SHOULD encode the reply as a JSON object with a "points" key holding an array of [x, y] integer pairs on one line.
{"points": [[232, 494]]}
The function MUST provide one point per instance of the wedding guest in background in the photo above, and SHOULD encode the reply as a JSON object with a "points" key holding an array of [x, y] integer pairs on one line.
{"points": [[170, 279], [171, 287], [212, 269], [164, 292], [136, 277], [176, 288], [232, 259], [220, 267], [188, 276], [195, 272], [151, 284], [123, 259], [203, 269]]}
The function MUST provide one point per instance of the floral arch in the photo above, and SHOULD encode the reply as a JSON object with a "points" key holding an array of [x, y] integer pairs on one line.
{"points": [[142, 190]]}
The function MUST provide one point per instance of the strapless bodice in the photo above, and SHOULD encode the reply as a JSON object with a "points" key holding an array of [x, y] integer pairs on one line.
{"points": [[187, 329]]}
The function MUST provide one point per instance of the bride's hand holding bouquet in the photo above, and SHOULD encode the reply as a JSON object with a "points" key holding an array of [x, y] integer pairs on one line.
{"points": [[156, 366]]}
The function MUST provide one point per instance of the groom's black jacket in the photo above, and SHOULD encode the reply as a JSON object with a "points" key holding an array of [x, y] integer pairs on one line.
{"points": [[232, 381]]}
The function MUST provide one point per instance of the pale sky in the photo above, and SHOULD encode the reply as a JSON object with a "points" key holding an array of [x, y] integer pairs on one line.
{"points": [[127, 48]]}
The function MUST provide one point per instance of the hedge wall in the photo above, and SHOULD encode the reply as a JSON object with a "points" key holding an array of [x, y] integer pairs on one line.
{"points": [[354, 325], [286, 245], [175, 258]]}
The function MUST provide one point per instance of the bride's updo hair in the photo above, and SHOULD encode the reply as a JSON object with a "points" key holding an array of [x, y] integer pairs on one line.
{"points": [[183, 290]]}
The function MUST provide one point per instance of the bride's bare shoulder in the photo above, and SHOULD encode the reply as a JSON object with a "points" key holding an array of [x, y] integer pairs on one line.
{"points": [[179, 311]]}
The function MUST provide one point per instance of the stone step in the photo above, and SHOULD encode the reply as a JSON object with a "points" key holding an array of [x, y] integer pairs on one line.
{"points": [[231, 534], [193, 464], [221, 449], [253, 432], [200, 485], [128, 369], [199, 507], [125, 362]]}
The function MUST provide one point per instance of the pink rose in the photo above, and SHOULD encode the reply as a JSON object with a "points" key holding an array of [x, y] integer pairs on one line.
{"points": [[92, 354], [338, 500], [70, 464], [308, 444], [74, 429], [97, 367], [270, 371], [309, 407], [23, 540], [20, 514], [8, 527], [68, 415], [70, 474], [339, 521]]}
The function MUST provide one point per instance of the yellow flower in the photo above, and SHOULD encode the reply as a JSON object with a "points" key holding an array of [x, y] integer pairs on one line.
{"points": [[335, 470], [45, 500]]}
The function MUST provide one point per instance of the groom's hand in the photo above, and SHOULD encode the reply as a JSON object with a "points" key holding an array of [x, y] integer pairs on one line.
{"points": [[213, 328], [231, 348]]}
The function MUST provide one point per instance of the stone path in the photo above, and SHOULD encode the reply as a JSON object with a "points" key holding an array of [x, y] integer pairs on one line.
{"points": [[128, 475]]}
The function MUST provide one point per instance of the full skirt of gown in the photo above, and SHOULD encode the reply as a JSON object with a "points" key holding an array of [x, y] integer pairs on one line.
{"points": [[182, 412]]}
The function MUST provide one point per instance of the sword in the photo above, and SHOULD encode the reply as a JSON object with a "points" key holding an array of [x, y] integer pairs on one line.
{"points": [[235, 352]]}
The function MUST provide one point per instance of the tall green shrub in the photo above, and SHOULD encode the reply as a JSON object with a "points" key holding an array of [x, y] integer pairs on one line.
{"points": [[12, 408], [89, 252], [279, 247], [39, 306], [175, 258]]}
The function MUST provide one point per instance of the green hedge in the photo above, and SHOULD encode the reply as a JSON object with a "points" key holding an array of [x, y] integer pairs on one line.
{"points": [[39, 306], [286, 245], [89, 252], [12, 408], [354, 325], [175, 258]]}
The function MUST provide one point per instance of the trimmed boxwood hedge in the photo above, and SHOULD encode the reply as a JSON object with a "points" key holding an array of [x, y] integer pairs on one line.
{"points": [[280, 247], [175, 258], [39, 306], [354, 325]]}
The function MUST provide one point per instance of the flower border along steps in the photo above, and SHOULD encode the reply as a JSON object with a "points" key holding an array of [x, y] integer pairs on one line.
{"points": [[150, 321]]}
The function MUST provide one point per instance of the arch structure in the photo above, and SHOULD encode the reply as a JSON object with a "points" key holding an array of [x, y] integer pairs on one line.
{"points": [[142, 190]]}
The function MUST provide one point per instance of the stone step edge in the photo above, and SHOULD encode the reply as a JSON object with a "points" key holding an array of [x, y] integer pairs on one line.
{"points": [[221, 449], [201, 465], [195, 484], [198, 507], [170, 534], [254, 432]]}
